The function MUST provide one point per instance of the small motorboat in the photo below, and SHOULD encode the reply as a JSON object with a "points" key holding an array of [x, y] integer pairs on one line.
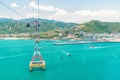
{"points": [[68, 54], [92, 47]]}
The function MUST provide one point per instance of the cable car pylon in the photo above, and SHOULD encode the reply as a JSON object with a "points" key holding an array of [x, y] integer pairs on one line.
{"points": [[37, 60]]}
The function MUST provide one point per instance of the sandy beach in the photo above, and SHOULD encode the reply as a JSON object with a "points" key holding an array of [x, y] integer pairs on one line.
{"points": [[13, 38], [114, 40]]}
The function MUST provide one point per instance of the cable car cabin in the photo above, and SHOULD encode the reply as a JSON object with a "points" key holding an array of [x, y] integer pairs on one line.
{"points": [[28, 25], [37, 65], [37, 61]]}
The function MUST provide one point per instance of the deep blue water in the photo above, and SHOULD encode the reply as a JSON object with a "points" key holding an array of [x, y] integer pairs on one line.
{"points": [[100, 63]]}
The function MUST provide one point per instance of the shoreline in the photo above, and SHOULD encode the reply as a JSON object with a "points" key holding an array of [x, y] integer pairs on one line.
{"points": [[13, 38], [114, 40]]}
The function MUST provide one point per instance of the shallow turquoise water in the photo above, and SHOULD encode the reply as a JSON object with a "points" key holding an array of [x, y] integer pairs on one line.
{"points": [[100, 63]]}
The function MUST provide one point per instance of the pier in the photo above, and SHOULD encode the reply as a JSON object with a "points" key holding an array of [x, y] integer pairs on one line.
{"points": [[37, 60], [69, 43]]}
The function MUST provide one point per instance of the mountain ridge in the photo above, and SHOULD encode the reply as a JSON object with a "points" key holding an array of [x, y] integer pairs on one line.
{"points": [[19, 26], [8, 26]]}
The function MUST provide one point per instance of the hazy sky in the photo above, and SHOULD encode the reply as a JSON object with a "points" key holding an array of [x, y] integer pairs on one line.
{"points": [[64, 10]]}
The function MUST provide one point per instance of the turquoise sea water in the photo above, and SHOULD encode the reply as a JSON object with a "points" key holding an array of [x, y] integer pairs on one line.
{"points": [[100, 63]]}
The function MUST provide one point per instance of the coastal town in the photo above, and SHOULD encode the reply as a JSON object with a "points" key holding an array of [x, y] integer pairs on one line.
{"points": [[97, 37]]}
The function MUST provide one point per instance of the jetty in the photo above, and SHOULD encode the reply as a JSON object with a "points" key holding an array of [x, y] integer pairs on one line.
{"points": [[69, 43]]}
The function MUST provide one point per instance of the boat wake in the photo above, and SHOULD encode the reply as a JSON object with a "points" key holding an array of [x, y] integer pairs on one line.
{"points": [[67, 53], [102, 47], [115, 56], [12, 56], [95, 47]]}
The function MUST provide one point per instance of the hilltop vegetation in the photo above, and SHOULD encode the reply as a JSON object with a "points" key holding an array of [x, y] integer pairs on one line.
{"points": [[8, 26], [101, 27], [19, 26]]}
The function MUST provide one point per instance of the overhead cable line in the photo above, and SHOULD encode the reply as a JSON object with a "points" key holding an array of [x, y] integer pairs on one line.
{"points": [[12, 9], [38, 10]]}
